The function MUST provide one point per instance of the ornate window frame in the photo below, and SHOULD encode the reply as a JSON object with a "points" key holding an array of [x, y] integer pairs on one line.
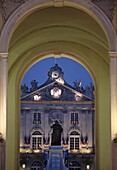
{"points": [[74, 134], [38, 135]]}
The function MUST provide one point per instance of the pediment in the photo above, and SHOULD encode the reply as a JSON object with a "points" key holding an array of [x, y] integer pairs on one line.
{"points": [[55, 91]]}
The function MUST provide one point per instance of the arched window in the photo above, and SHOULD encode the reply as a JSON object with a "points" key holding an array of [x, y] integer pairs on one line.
{"points": [[74, 118], [37, 140], [74, 165], [37, 165], [74, 140], [37, 118]]}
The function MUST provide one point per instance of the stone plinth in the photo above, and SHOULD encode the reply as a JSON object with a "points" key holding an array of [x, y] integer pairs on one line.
{"points": [[56, 159]]}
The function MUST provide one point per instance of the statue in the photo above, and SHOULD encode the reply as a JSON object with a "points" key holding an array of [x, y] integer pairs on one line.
{"points": [[34, 85], [24, 88], [56, 135], [77, 85]]}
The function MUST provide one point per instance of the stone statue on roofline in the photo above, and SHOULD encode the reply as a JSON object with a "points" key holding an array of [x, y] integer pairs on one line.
{"points": [[24, 88], [33, 85], [77, 85]]}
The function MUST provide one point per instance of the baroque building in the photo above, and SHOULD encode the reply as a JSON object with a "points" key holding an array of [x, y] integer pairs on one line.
{"points": [[53, 101], [83, 30]]}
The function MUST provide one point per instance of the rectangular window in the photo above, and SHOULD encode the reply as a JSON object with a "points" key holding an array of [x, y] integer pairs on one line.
{"points": [[74, 118], [71, 143], [37, 118], [34, 143], [74, 143], [77, 143]]}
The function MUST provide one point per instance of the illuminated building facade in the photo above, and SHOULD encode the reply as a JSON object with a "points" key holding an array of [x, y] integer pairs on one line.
{"points": [[56, 100], [83, 30]]}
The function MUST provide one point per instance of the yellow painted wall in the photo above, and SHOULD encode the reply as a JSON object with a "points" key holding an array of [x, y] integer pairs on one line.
{"points": [[77, 35]]}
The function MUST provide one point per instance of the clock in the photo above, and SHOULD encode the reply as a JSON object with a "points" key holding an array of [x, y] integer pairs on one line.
{"points": [[55, 74]]}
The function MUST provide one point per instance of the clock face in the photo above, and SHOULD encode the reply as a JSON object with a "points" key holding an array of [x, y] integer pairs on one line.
{"points": [[55, 74]]}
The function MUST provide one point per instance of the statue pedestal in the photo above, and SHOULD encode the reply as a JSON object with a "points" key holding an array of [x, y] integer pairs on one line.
{"points": [[56, 159]]}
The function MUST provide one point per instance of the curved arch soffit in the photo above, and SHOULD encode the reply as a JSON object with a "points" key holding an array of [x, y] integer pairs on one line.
{"points": [[25, 9]]}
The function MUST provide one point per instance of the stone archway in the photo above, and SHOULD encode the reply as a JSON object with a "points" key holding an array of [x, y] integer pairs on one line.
{"points": [[99, 104], [90, 51], [27, 8]]}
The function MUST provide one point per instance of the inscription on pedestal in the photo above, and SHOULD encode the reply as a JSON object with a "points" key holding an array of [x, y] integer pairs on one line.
{"points": [[55, 161]]}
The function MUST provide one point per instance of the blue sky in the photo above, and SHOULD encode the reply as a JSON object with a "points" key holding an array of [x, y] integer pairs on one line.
{"points": [[72, 71]]}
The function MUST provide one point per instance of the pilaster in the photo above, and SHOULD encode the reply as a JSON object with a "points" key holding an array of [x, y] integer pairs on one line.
{"points": [[113, 74], [3, 93]]}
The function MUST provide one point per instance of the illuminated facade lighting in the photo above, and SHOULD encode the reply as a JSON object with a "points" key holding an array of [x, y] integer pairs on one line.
{"points": [[88, 166], [37, 98], [23, 166]]}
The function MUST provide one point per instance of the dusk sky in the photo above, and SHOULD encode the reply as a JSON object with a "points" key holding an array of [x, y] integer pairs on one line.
{"points": [[72, 71]]}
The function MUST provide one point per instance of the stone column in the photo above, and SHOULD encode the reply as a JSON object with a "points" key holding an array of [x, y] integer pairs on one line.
{"points": [[113, 74], [3, 93]]}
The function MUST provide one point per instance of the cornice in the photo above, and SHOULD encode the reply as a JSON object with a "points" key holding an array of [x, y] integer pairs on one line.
{"points": [[57, 102]]}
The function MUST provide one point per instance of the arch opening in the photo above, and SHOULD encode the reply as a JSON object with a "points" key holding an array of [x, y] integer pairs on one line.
{"points": [[73, 109], [27, 52]]}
